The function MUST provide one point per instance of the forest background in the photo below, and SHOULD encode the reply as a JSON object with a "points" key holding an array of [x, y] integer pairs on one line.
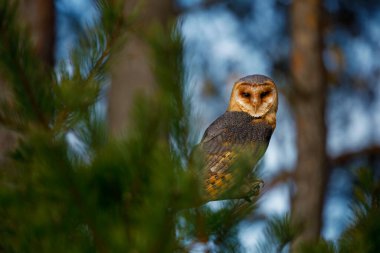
{"points": [[97, 98]]}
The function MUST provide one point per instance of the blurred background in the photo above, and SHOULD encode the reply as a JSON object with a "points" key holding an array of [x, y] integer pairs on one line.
{"points": [[322, 54]]}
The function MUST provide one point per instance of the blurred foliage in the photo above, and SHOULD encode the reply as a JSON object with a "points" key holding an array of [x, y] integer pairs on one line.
{"points": [[68, 186], [97, 194], [362, 235], [279, 233]]}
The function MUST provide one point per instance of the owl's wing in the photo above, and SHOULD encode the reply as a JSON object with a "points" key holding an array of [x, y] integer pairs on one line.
{"points": [[221, 150], [229, 138]]}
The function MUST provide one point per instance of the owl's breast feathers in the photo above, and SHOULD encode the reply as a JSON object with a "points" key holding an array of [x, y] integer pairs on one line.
{"points": [[238, 127], [225, 140]]}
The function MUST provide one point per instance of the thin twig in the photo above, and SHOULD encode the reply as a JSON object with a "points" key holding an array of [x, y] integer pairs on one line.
{"points": [[346, 157]]}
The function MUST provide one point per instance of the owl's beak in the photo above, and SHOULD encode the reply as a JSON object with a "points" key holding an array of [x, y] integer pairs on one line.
{"points": [[254, 108], [255, 103]]}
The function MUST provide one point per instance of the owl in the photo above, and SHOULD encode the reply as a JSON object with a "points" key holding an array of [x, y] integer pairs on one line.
{"points": [[235, 142]]}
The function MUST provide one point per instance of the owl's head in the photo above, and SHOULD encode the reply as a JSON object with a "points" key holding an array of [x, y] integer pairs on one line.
{"points": [[256, 95]]}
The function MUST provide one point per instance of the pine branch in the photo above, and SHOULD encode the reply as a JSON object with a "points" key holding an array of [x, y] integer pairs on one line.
{"points": [[14, 46], [29, 92], [111, 40], [92, 38], [67, 173]]}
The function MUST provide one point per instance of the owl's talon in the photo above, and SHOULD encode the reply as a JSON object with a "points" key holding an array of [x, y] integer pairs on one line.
{"points": [[255, 189], [257, 186]]}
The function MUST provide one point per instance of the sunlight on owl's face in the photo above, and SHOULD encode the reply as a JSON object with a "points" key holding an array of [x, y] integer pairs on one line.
{"points": [[254, 99]]}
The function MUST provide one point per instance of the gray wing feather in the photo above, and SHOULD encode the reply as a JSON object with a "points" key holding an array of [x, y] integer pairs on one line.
{"points": [[231, 134]]}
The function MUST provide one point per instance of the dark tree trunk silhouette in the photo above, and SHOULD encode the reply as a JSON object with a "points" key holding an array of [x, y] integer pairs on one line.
{"points": [[131, 71], [39, 17], [309, 102]]}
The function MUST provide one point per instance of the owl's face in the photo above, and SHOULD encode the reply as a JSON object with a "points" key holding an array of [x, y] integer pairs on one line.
{"points": [[255, 95]]}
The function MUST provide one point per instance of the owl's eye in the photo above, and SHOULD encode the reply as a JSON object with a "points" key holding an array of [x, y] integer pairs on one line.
{"points": [[246, 94], [264, 94]]}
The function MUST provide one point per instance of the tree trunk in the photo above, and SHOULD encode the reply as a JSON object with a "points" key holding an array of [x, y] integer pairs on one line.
{"points": [[131, 71], [309, 101], [39, 18]]}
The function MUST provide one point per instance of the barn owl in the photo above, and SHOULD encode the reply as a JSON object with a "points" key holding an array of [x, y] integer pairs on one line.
{"points": [[243, 131]]}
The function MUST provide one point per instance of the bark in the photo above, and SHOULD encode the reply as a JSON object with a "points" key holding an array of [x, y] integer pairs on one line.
{"points": [[131, 72], [309, 103], [39, 18]]}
